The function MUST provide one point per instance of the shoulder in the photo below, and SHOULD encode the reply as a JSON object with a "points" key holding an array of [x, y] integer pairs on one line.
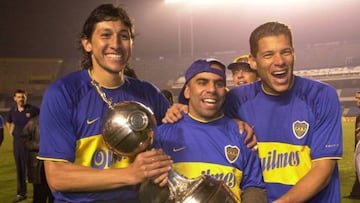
{"points": [[310, 89], [244, 92], [72, 80], [69, 85]]}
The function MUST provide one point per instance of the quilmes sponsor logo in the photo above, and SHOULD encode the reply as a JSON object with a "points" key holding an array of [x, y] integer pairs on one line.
{"points": [[102, 159], [228, 178], [275, 160]]}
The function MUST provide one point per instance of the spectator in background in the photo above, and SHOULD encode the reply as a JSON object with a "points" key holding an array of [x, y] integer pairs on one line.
{"points": [[16, 119], [1, 130], [168, 95], [36, 173], [355, 191], [242, 72]]}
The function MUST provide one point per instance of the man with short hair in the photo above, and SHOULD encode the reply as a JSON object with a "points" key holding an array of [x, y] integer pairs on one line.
{"points": [[16, 119], [297, 121]]}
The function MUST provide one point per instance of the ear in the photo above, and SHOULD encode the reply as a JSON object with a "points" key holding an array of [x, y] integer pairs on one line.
{"points": [[252, 62], [187, 92], [86, 44]]}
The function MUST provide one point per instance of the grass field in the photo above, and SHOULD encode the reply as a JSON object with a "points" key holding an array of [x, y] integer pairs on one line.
{"points": [[8, 181]]}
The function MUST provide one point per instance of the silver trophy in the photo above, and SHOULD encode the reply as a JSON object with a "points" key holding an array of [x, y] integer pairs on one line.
{"points": [[129, 128]]}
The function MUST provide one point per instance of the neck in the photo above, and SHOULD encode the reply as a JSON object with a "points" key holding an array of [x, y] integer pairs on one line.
{"points": [[20, 107], [107, 79], [206, 120]]}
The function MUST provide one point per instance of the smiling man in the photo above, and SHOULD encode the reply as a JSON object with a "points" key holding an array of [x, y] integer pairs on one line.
{"points": [[205, 142], [297, 121], [79, 166]]}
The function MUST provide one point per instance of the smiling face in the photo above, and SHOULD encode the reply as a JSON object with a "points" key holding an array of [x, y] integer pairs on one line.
{"points": [[110, 46], [242, 77], [274, 62], [206, 94]]}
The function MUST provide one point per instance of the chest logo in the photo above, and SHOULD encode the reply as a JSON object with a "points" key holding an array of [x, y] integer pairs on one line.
{"points": [[232, 153], [89, 122], [300, 128], [178, 149]]}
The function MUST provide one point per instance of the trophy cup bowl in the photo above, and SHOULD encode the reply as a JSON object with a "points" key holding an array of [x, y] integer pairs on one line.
{"points": [[128, 129]]}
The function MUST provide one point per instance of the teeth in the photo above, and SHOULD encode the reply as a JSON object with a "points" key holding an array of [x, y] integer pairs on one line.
{"points": [[210, 100], [114, 56], [279, 72]]}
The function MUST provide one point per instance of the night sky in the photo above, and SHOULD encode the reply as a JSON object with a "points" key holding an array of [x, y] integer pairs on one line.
{"points": [[49, 28]]}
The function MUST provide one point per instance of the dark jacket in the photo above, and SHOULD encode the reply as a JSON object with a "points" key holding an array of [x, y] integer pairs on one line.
{"points": [[31, 137]]}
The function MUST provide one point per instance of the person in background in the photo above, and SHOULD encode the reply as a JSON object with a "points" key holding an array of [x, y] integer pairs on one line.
{"points": [[242, 72], [168, 95], [16, 119], [206, 142], [36, 174], [1, 130], [355, 191], [79, 166]]}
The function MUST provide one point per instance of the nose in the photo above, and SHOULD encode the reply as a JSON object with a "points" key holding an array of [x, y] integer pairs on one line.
{"points": [[240, 74], [211, 87], [115, 42], [278, 59]]}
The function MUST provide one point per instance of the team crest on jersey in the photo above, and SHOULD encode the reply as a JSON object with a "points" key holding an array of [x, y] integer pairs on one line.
{"points": [[232, 153], [300, 128]]}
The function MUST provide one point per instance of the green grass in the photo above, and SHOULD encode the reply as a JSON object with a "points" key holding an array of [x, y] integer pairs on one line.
{"points": [[8, 175]]}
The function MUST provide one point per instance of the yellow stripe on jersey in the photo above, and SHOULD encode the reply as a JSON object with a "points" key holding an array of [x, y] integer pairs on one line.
{"points": [[284, 163], [230, 175], [93, 152]]}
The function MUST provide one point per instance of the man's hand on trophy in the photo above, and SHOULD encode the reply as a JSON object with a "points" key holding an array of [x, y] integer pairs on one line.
{"points": [[161, 180], [152, 164]]}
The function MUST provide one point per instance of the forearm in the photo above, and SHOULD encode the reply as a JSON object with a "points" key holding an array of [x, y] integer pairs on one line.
{"points": [[10, 128], [68, 177], [312, 183]]}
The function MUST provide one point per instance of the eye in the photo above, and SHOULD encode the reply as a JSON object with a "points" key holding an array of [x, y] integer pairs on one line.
{"points": [[124, 36], [220, 83], [106, 35], [202, 82], [268, 55], [287, 52]]}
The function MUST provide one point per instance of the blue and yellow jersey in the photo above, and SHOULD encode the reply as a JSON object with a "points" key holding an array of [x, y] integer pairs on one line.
{"points": [[293, 130], [70, 124], [213, 148]]}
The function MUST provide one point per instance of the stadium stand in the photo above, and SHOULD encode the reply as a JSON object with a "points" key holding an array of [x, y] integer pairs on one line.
{"points": [[336, 63]]}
